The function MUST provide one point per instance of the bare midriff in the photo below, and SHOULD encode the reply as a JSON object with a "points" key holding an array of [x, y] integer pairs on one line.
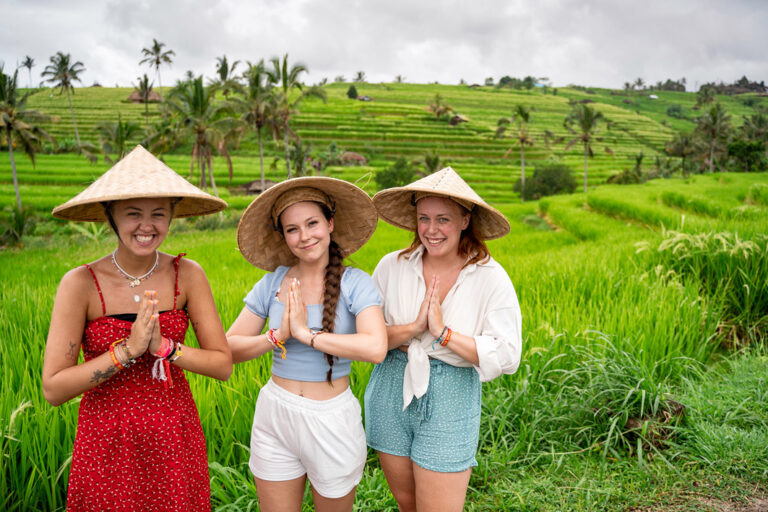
{"points": [[313, 390]]}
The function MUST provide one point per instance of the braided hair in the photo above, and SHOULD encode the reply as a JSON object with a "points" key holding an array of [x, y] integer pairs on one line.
{"points": [[332, 285]]}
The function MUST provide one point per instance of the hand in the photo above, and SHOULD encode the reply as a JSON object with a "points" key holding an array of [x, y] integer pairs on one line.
{"points": [[298, 314], [143, 327], [421, 324], [156, 339], [284, 331], [435, 312]]}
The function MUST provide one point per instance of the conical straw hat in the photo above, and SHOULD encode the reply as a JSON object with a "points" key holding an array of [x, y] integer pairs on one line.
{"points": [[355, 219], [398, 205], [139, 174]]}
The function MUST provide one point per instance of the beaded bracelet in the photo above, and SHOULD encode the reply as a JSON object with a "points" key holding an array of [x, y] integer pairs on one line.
{"points": [[447, 338], [440, 338], [278, 343], [176, 353], [114, 357]]}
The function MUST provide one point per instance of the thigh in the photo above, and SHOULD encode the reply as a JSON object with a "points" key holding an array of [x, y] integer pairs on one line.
{"points": [[387, 427], [343, 504], [399, 474], [440, 492], [284, 496]]}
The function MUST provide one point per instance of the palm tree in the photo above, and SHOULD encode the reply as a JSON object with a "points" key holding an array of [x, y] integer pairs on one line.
{"points": [[713, 130], [115, 137], [399, 79], [522, 116], [639, 83], [705, 96], [258, 105], [145, 89], [681, 145], [155, 57], [28, 63], [286, 79], [208, 124], [62, 74], [439, 107], [359, 77], [16, 123], [226, 81], [586, 120], [755, 127]]}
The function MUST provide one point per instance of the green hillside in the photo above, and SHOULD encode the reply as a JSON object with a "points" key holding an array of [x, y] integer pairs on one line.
{"points": [[396, 123]]}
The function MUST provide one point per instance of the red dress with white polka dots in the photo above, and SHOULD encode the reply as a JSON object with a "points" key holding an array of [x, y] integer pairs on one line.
{"points": [[139, 443]]}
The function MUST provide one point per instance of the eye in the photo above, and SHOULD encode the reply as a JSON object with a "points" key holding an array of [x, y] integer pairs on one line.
{"points": [[313, 223], [290, 230], [423, 219], [443, 220]]}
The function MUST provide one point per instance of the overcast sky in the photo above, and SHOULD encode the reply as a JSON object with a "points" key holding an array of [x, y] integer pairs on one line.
{"points": [[599, 43]]}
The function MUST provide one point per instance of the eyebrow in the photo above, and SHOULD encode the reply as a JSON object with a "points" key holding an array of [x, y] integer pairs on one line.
{"points": [[313, 217]]}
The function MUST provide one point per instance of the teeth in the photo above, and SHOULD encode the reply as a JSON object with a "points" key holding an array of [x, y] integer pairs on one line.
{"points": [[144, 238]]}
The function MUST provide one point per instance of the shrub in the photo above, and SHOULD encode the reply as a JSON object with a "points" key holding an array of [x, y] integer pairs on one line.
{"points": [[352, 92], [548, 179], [400, 174], [747, 156], [675, 111], [17, 224]]}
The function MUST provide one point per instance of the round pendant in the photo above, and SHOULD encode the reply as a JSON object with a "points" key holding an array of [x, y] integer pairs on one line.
{"points": [[135, 283], [136, 298]]}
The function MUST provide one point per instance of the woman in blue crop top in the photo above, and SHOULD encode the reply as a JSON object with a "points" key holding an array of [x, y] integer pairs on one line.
{"points": [[322, 315]]}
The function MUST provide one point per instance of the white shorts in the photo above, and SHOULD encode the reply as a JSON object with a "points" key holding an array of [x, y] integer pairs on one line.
{"points": [[293, 436]]}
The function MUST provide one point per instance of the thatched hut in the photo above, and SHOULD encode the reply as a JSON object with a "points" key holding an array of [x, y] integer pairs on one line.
{"points": [[154, 97]]}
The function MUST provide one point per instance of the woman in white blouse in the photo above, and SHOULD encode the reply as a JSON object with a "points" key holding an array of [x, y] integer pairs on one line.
{"points": [[453, 321]]}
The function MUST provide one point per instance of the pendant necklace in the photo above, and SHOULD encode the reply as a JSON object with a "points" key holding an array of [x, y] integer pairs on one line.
{"points": [[133, 282]]}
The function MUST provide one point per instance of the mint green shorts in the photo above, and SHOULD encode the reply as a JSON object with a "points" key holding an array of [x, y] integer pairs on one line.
{"points": [[438, 431]]}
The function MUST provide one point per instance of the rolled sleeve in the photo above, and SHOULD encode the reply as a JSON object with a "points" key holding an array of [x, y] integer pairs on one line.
{"points": [[500, 344]]}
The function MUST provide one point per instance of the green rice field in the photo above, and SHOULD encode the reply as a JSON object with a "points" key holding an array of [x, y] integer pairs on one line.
{"points": [[614, 332]]}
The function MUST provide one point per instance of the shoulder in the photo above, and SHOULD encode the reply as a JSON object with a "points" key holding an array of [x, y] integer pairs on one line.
{"points": [[190, 271], [390, 261], [492, 274], [355, 277], [79, 279]]}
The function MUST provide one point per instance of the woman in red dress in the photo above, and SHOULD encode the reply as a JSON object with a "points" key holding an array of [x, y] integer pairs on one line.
{"points": [[139, 443]]}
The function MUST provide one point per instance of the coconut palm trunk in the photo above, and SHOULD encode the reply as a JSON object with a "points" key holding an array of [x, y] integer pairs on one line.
{"points": [[261, 158], [522, 173], [287, 158], [13, 170], [712, 156], [586, 154], [72, 111]]}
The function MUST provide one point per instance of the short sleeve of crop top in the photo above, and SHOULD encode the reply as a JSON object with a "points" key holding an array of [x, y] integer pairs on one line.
{"points": [[359, 291], [259, 298]]}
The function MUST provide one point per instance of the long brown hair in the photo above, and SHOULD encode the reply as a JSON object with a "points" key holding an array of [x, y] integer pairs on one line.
{"points": [[471, 245]]}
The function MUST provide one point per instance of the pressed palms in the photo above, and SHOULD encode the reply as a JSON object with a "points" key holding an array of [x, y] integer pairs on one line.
{"points": [[226, 82], [155, 56], [713, 129], [207, 123], [16, 123], [682, 145], [115, 136], [258, 105], [583, 122], [286, 79], [62, 74], [521, 115], [28, 63]]}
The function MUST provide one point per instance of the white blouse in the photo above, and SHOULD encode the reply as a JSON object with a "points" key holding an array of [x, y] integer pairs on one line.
{"points": [[482, 304]]}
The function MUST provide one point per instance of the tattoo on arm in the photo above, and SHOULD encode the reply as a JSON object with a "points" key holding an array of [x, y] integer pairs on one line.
{"points": [[99, 376], [72, 351]]}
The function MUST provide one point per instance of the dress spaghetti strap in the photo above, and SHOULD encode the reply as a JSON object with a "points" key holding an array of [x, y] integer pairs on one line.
{"points": [[103, 306], [176, 291]]}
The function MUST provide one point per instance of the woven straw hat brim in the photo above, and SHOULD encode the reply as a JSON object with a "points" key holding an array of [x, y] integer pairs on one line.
{"points": [[354, 222], [138, 175], [395, 205]]}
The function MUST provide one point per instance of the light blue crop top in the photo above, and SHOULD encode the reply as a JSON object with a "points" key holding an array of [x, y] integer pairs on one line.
{"points": [[302, 362]]}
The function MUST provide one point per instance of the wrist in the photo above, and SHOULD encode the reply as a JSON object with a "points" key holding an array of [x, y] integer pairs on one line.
{"points": [[303, 335]]}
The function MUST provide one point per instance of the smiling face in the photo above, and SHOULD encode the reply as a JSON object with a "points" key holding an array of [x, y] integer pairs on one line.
{"points": [[142, 224], [307, 232], [439, 223]]}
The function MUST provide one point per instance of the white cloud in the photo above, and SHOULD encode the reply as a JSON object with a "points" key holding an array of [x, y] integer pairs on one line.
{"points": [[598, 42]]}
